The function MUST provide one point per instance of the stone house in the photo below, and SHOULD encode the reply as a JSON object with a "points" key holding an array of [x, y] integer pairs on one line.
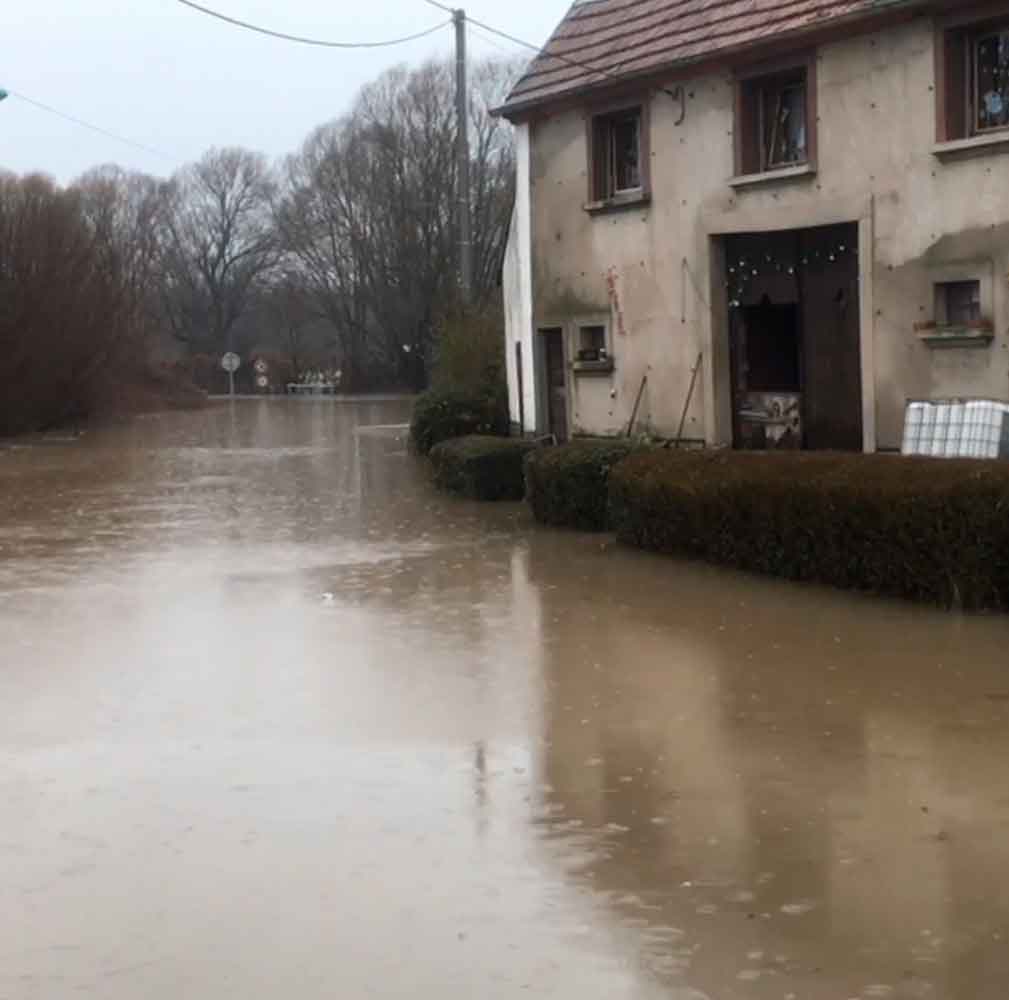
{"points": [[771, 221]]}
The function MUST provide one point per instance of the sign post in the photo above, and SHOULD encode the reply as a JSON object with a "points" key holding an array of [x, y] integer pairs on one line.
{"points": [[262, 374], [231, 362]]}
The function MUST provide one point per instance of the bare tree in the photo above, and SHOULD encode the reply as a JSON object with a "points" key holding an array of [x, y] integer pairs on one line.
{"points": [[492, 172], [324, 225], [65, 303], [219, 244], [287, 306], [355, 259], [127, 213], [369, 213]]}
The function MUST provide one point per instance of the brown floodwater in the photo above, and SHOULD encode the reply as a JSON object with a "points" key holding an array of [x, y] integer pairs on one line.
{"points": [[278, 720]]}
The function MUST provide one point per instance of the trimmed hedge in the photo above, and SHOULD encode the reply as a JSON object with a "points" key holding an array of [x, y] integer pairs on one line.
{"points": [[568, 486], [482, 468], [932, 530], [440, 415]]}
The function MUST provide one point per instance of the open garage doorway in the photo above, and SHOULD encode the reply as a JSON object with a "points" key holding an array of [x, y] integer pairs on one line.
{"points": [[794, 339]]}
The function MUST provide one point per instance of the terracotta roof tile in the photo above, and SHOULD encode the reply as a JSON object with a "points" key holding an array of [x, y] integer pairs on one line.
{"points": [[600, 41]]}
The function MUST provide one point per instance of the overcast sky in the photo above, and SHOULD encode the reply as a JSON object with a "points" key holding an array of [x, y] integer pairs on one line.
{"points": [[179, 82]]}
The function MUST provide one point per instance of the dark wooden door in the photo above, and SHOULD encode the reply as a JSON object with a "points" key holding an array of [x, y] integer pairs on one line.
{"points": [[815, 271], [831, 338], [557, 384]]}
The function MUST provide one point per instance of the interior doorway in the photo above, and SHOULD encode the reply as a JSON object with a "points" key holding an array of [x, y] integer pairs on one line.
{"points": [[767, 376], [794, 339]]}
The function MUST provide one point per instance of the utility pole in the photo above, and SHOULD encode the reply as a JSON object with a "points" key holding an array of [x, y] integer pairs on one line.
{"points": [[462, 156]]}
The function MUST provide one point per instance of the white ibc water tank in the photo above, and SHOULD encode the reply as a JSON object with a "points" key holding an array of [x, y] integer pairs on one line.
{"points": [[978, 428], [956, 430]]}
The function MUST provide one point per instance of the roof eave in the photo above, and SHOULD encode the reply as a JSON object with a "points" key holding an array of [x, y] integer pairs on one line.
{"points": [[515, 111]]}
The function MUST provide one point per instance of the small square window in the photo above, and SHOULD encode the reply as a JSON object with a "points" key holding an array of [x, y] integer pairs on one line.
{"points": [[617, 159], [773, 130], [592, 343], [958, 303]]}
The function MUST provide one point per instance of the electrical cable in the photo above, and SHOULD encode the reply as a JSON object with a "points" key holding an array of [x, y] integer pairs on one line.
{"points": [[491, 41], [94, 128], [311, 41], [538, 49]]}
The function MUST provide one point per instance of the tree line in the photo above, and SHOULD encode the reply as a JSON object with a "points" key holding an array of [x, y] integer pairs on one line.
{"points": [[345, 253]]}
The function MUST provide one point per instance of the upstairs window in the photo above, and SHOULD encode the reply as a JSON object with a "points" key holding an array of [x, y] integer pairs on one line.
{"points": [[774, 123], [783, 121], [617, 141], [990, 57], [973, 80]]}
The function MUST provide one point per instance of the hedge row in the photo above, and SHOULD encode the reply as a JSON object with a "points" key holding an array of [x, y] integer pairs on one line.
{"points": [[567, 486], [483, 468], [931, 530]]}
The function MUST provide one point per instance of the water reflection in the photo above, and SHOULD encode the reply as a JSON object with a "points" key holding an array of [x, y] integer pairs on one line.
{"points": [[803, 785], [278, 719]]}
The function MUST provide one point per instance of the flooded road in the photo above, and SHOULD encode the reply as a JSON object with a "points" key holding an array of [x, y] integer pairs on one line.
{"points": [[277, 720]]}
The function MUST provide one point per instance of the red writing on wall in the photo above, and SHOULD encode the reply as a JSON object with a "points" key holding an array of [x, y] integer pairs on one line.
{"points": [[614, 293]]}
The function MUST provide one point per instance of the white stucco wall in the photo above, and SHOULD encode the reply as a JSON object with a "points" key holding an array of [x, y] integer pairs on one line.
{"points": [[917, 215], [518, 296]]}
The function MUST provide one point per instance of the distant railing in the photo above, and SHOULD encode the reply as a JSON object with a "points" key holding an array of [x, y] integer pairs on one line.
{"points": [[312, 388]]}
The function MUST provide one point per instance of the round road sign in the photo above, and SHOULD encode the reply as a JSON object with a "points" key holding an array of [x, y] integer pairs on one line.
{"points": [[231, 362], [262, 381], [261, 367]]}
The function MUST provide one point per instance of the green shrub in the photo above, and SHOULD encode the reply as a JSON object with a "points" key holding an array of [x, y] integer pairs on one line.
{"points": [[469, 394], [440, 415], [483, 468], [932, 530], [469, 353], [568, 486]]}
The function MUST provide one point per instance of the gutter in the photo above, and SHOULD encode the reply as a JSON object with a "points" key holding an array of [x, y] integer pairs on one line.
{"points": [[879, 10]]}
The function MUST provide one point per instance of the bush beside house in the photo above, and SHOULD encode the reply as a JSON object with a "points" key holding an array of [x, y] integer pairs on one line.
{"points": [[482, 467], [927, 529], [440, 415], [568, 486], [469, 391]]}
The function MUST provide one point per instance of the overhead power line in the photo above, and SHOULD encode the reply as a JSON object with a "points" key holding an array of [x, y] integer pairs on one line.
{"points": [[312, 41], [490, 40], [538, 49], [94, 128]]}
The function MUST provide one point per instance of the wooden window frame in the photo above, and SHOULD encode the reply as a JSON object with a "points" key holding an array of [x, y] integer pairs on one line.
{"points": [[974, 40], [596, 366], [939, 331], [956, 37], [748, 139], [604, 348], [599, 196], [943, 302]]}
